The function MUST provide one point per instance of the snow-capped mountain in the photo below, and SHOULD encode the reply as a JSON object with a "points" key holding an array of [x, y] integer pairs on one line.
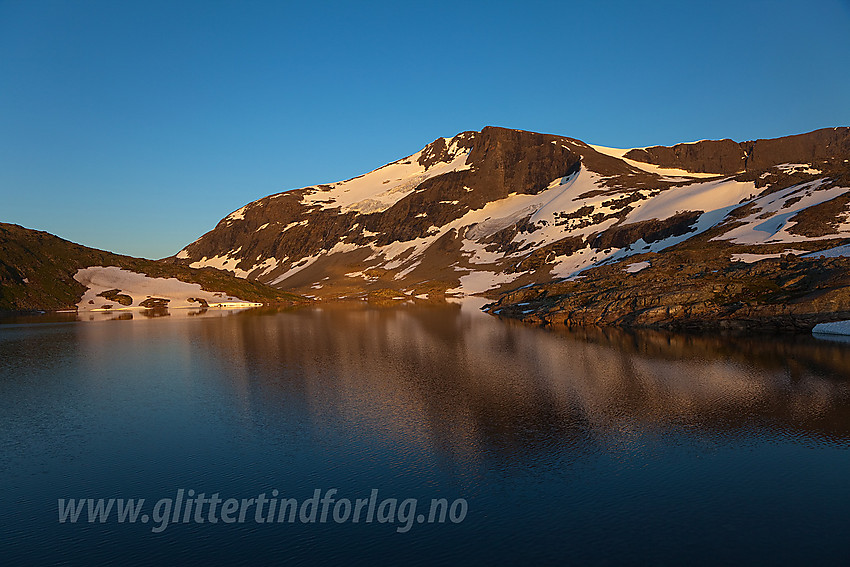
{"points": [[501, 209]]}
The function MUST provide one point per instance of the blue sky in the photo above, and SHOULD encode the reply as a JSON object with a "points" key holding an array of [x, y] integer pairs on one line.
{"points": [[136, 126]]}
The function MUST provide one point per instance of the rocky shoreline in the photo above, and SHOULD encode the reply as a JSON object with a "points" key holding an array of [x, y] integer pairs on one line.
{"points": [[683, 290]]}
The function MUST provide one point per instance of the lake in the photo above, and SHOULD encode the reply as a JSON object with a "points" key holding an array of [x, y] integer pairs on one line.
{"points": [[551, 447]]}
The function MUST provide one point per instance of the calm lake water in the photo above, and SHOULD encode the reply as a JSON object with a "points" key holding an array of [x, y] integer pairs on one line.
{"points": [[568, 448]]}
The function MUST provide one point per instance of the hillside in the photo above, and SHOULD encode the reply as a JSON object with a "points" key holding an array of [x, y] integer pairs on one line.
{"points": [[38, 269]]}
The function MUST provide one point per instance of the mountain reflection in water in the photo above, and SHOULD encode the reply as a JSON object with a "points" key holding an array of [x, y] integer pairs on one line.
{"points": [[602, 445], [470, 383]]}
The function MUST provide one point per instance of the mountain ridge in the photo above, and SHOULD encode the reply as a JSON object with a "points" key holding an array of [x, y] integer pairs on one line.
{"points": [[700, 234], [491, 211]]}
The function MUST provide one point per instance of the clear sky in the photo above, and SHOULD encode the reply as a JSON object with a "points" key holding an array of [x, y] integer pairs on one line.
{"points": [[136, 126]]}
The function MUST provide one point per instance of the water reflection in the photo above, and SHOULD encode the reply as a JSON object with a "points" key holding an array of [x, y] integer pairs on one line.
{"points": [[465, 383], [455, 379], [603, 446], [115, 315]]}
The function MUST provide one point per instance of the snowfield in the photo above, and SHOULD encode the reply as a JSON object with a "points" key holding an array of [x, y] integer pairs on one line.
{"points": [[769, 221], [380, 189], [140, 287], [836, 252], [752, 258]]}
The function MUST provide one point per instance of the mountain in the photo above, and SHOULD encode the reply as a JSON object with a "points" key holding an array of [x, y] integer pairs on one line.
{"points": [[40, 271], [502, 210]]}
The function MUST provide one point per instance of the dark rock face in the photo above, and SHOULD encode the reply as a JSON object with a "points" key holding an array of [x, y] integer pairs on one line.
{"points": [[650, 231], [710, 156], [514, 161], [823, 219], [803, 148], [503, 162], [728, 157]]}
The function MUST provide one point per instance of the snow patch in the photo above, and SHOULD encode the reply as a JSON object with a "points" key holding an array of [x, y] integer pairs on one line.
{"points": [[140, 287], [266, 266], [237, 215], [705, 196], [798, 168], [224, 262], [296, 223], [478, 282], [831, 252], [407, 270], [297, 267], [751, 258], [835, 328]]}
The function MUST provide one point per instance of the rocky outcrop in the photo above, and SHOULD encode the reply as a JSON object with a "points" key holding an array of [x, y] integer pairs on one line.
{"points": [[709, 156], [728, 157], [690, 289]]}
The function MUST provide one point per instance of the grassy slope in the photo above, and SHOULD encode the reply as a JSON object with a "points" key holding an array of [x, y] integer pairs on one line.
{"points": [[49, 263]]}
